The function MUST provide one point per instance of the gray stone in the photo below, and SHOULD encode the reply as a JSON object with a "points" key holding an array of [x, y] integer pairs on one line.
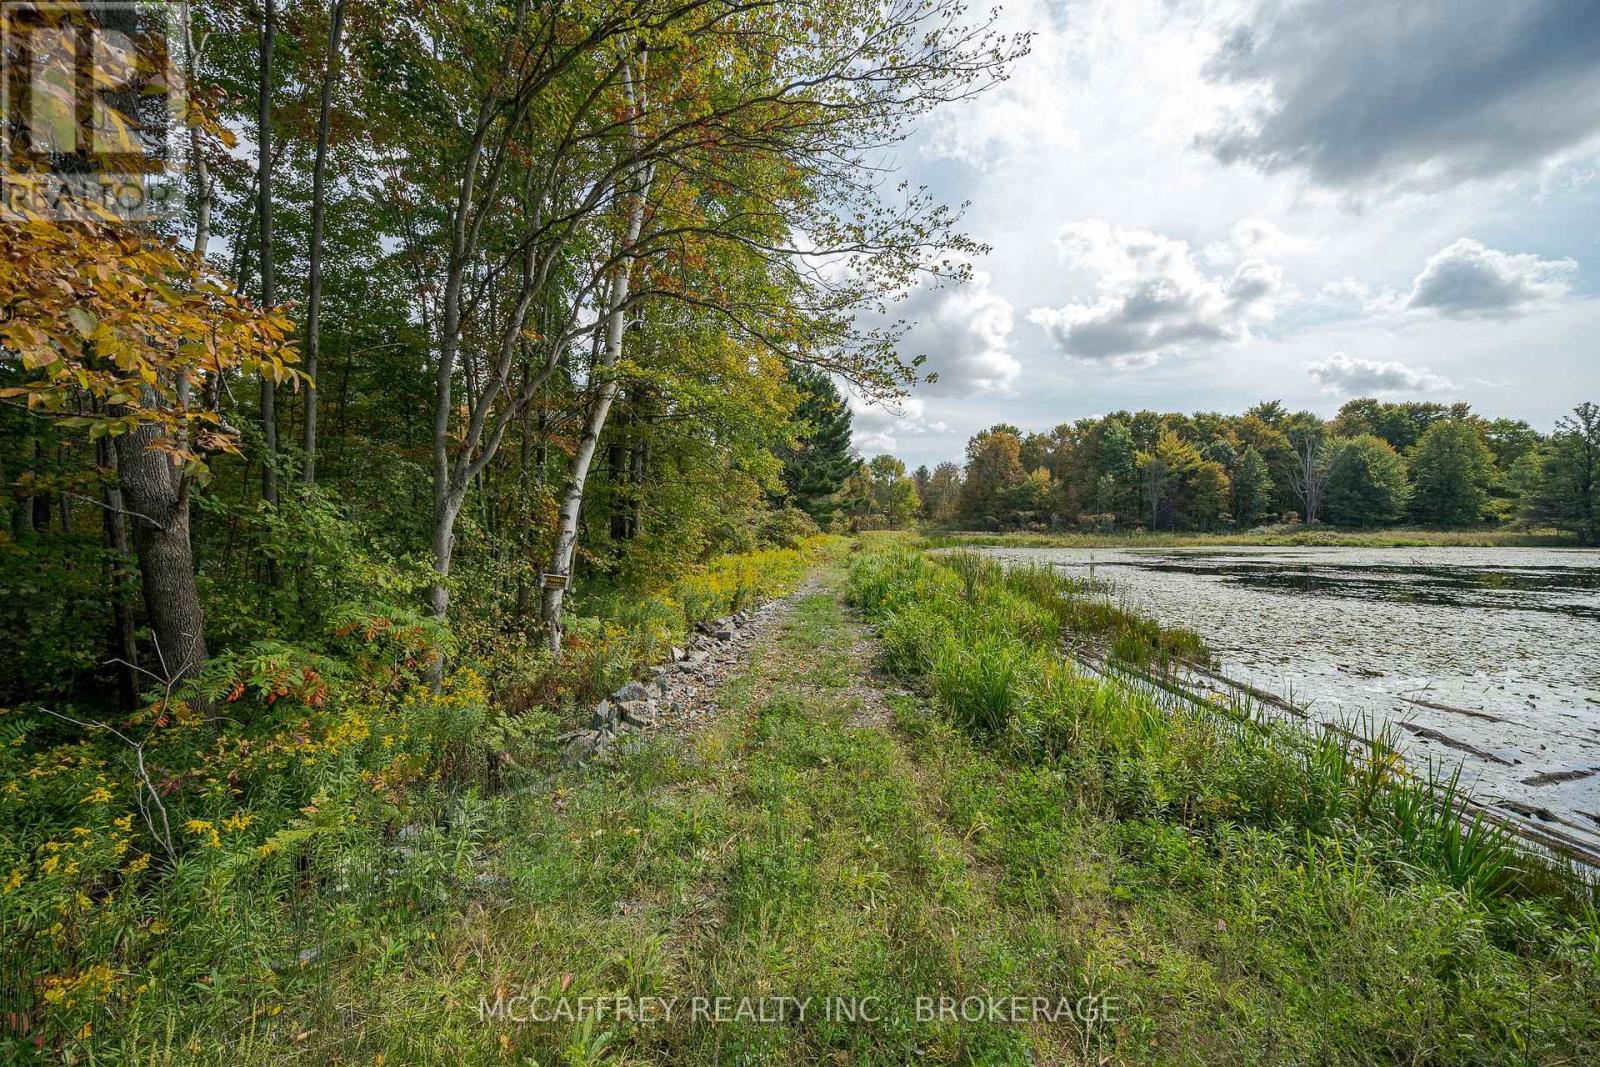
{"points": [[640, 714], [677, 653], [631, 692], [723, 635], [604, 715], [586, 746]]}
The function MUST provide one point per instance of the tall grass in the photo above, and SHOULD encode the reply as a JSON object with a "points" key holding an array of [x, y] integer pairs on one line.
{"points": [[983, 640]]}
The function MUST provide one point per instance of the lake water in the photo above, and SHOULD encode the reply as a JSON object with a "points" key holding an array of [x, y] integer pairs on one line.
{"points": [[1486, 657]]}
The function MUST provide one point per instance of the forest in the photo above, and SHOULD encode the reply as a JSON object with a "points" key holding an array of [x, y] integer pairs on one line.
{"points": [[494, 357], [1374, 464]]}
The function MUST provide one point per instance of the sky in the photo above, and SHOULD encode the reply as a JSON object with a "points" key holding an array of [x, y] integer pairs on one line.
{"points": [[1196, 205]]}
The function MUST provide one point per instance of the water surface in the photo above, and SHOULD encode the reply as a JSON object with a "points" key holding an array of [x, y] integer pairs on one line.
{"points": [[1489, 657]]}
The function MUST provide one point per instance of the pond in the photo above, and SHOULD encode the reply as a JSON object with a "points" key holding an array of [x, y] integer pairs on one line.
{"points": [[1487, 657]]}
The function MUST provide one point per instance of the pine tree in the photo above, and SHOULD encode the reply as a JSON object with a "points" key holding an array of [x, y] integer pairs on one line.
{"points": [[816, 465], [1252, 488]]}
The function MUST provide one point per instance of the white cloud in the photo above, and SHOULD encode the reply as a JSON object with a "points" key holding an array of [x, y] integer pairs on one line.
{"points": [[1258, 238], [1345, 376], [878, 427], [965, 331], [1152, 297], [1469, 280]]}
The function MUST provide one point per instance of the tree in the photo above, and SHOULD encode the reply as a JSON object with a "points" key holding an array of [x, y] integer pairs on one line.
{"points": [[942, 500], [994, 467], [1252, 488], [1118, 461], [1567, 485], [1451, 470], [820, 458], [319, 206], [121, 317], [1366, 482], [1308, 477]]}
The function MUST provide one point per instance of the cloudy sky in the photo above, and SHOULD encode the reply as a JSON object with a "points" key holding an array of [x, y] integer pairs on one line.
{"points": [[1199, 204]]}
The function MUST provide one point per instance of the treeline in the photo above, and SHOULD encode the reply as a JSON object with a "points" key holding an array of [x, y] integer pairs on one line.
{"points": [[1373, 464]]}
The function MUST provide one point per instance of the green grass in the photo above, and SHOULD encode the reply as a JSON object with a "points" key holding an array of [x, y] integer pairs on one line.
{"points": [[1019, 830], [1319, 536]]}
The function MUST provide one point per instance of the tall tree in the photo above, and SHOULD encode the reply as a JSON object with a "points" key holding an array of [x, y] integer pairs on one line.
{"points": [[1451, 471], [267, 266], [1252, 488], [820, 458], [1567, 490], [319, 207], [1367, 483]]}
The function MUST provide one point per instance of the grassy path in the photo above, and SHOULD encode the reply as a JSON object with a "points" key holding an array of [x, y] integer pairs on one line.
{"points": [[824, 837], [793, 848]]}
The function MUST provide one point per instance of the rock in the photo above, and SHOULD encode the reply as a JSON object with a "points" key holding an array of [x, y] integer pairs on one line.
{"points": [[640, 714], [604, 716], [587, 746], [631, 692], [723, 635], [677, 653]]}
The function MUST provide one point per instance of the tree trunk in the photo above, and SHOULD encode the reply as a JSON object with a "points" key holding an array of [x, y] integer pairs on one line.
{"points": [[124, 647], [156, 497], [269, 287], [319, 204], [600, 407]]}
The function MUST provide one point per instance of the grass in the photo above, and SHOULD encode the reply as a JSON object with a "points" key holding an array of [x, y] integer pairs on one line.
{"points": [[1319, 536], [1019, 830]]}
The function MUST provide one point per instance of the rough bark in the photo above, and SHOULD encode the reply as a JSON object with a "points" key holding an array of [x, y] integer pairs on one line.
{"points": [[157, 499]]}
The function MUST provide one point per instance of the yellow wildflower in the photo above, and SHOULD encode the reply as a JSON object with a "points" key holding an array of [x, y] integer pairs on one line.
{"points": [[14, 881]]}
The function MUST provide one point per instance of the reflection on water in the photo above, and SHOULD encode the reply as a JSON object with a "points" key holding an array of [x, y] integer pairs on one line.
{"points": [[1516, 588]]}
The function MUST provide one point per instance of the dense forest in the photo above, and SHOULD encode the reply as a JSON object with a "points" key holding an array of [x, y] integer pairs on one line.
{"points": [[490, 304]]}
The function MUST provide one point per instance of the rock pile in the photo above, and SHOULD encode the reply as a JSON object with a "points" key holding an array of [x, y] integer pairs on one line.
{"points": [[679, 694]]}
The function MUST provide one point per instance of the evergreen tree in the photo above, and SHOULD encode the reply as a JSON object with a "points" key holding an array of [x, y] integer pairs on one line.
{"points": [[1367, 483], [816, 465], [1119, 461], [1252, 488]]}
